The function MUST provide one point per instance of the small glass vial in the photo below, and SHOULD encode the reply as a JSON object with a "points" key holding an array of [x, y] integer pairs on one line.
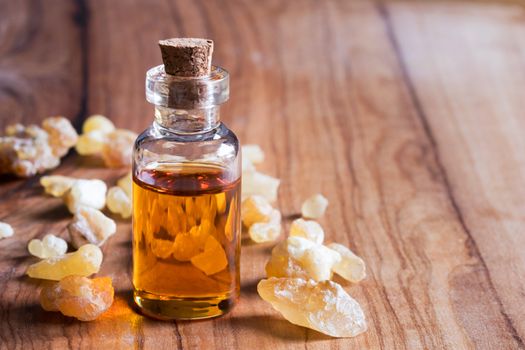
{"points": [[186, 198]]}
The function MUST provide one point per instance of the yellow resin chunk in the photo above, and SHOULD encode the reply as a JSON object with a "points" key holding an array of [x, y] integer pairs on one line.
{"points": [[300, 257], [322, 306], [256, 183], [48, 247], [126, 183], [90, 225], [308, 229], [255, 209], [118, 202], [97, 122], [213, 259], [90, 143], [261, 232], [84, 262], [57, 185], [351, 267], [88, 193], [79, 297]]}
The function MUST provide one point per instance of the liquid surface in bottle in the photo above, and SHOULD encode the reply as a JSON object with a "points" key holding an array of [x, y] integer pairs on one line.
{"points": [[186, 240]]}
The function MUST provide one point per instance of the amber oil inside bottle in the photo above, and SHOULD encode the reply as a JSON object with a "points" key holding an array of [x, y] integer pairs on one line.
{"points": [[186, 242]]}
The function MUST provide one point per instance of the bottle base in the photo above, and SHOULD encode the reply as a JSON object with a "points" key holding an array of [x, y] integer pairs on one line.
{"points": [[173, 308]]}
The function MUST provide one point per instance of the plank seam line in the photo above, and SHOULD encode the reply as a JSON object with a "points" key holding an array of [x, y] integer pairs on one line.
{"points": [[383, 11]]}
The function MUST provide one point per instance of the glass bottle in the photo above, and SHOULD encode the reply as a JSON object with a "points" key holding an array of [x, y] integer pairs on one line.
{"points": [[186, 200]]}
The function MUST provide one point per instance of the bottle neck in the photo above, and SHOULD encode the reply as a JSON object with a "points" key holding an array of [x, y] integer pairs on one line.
{"points": [[188, 121]]}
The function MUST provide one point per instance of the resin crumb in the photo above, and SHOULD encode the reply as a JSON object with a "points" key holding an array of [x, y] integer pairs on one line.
{"points": [[90, 225], [56, 185], [314, 207], [308, 229], [86, 193], [118, 148], [255, 209], [213, 259], [300, 257], [261, 232], [255, 183], [253, 153], [351, 267], [50, 246], [6, 230], [118, 202]]}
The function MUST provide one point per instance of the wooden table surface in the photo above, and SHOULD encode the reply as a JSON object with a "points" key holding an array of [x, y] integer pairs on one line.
{"points": [[407, 115]]}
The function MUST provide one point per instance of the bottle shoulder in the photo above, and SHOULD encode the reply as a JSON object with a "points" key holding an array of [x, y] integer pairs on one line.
{"points": [[219, 146]]}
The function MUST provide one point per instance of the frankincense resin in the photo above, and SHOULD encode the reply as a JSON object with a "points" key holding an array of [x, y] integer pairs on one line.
{"points": [[186, 240]]}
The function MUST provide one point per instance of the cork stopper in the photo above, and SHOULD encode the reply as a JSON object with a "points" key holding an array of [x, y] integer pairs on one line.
{"points": [[187, 57]]}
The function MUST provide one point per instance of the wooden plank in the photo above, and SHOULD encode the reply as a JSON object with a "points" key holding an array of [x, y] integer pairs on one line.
{"points": [[473, 101], [323, 88]]}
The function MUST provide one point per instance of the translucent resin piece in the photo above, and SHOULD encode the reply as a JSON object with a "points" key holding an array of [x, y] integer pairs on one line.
{"points": [[255, 183], [86, 193], [255, 209], [213, 259], [79, 297], [267, 231], [50, 246], [90, 225], [300, 257], [6, 230], [308, 229], [84, 262], [57, 185], [314, 207], [119, 202], [351, 267], [322, 306], [253, 153]]}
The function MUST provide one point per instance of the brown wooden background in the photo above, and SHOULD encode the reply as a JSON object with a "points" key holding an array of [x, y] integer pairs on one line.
{"points": [[407, 115]]}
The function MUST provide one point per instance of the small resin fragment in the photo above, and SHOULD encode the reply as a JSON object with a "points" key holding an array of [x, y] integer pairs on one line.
{"points": [[255, 209], [79, 297], [266, 231], [307, 229], [253, 153], [25, 151], [6, 230], [126, 183], [322, 306], [90, 225], [57, 185], [91, 143], [300, 257], [314, 207], [255, 183], [88, 193], [213, 259], [84, 262], [247, 165], [50, 246], [97, 122], [118, 148], [118, 202], [351, 267], [186, 246], [162, 248], [62, 135]]}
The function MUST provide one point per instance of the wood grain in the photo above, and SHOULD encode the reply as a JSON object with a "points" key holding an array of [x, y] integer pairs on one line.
{"points": [[407, 115]]}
